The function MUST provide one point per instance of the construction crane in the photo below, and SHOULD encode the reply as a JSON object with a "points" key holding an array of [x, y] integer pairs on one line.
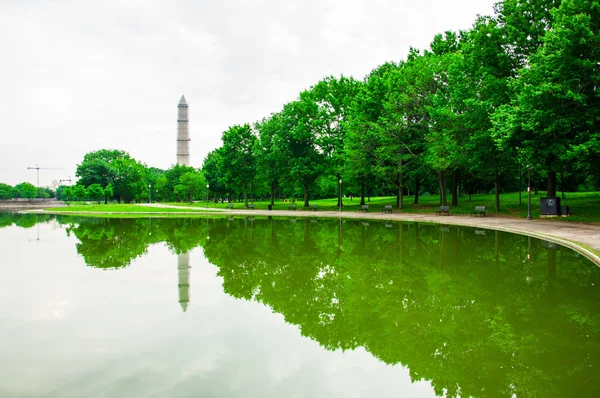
{"points": [[38, 168], [66, 179]]}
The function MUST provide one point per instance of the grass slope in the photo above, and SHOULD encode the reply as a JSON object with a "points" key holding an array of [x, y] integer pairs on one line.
{"points": [[584, 206]]}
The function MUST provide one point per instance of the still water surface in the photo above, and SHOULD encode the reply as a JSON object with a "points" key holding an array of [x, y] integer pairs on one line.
{"points": [[291, 308]]}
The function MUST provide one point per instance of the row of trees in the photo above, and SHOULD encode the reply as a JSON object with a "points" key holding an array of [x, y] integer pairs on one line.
{"points": [[23, 190], [474, 112], [113, 174]]}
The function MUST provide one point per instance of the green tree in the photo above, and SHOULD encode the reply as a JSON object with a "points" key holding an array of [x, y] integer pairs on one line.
{"points": [[6, 191], [79, 192], [98, 167], [553, 116], [26, 190], [238, 157], [298, 142], [334, 98], [271, 161], [129, 181], [172, 175], [95, 192], [190, 185]]}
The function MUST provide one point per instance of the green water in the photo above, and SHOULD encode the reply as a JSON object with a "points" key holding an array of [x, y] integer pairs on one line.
{"points": [[291, 308]]}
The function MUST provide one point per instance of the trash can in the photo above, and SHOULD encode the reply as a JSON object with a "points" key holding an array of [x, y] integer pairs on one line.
{"points": [[270, 207], [550, 206]]}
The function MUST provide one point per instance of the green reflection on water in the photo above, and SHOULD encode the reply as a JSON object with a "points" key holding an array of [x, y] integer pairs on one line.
{"points": [[477, 313]]}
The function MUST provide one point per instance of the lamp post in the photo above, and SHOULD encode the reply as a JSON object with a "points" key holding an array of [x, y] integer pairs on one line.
{"points": [[149, 193], [340, 194], [529, 192], [207, 196]]}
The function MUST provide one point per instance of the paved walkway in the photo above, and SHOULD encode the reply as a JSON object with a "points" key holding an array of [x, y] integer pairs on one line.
{"points": [[585, 238]]}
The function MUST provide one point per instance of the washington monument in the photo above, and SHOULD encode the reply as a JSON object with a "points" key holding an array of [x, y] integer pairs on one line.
{"points": [[183, 134], [183, 158]]}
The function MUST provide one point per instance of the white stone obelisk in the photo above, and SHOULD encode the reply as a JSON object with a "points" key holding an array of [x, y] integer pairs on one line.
{"points": [[183, 133]]}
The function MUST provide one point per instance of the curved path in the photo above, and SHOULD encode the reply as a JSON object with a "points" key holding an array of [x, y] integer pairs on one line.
{"points": [[584, 238]]}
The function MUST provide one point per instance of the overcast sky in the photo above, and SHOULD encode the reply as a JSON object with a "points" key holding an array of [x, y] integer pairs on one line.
{"points": [[78, 76]]}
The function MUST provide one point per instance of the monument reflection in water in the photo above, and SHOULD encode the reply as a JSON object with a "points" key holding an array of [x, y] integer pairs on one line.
{"points": [[475, 312]]}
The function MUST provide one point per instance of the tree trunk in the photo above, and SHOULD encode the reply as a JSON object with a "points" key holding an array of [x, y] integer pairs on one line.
{"points": [[551, 192], [417, 189], [400, 191], [497, 190], [455, 177], [272, 196], [246, 195], [562, 185], [362, 191], [306, 204], [520, 187], [442, 188], [105, 199]]}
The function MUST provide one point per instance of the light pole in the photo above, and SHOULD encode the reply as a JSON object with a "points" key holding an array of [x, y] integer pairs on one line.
{"points": [[340, 194], [149, 193], [207, 196], [529, 192]]}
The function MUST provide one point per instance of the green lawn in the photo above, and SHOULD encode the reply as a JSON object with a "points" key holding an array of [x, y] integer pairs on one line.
{"points": [[584, 206], [117, 208]]}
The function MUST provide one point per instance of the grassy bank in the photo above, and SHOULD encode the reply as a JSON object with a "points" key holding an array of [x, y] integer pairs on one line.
{"points": [[584, 206], [118, 208]]}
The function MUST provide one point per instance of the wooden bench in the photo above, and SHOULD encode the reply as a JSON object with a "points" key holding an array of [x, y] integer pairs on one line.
{"points": [[364, 208], [478, 210], [387, 209], [314, 207], [292, 207], [442, 210], [230, 205], [250, 206]]}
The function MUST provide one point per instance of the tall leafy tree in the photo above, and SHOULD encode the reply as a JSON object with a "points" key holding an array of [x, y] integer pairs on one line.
{"points": [[238, 157], [334, 99], [271, 162], [190, 185], [553, 117], [98, 167], [297, 141]]}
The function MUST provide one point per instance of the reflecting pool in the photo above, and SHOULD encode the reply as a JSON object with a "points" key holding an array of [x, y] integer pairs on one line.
{"points": [[279, 307]]}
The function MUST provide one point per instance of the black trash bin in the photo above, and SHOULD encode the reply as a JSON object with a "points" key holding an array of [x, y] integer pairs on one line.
{"points": [[270, 207], [550, 206]]}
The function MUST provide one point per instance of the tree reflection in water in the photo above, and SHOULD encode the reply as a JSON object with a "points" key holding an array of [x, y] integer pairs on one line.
{"points": [[477, 313]]}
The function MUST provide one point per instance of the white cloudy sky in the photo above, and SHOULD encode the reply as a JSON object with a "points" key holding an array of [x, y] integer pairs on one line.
{"points": [[84, 75]]}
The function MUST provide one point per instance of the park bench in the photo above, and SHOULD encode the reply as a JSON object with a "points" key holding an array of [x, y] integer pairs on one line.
{"points": [[387, 209], [292, 206], [314, 207], [230, 205], [250, 206], [478, 210], [442, 210], [364, 208]]}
